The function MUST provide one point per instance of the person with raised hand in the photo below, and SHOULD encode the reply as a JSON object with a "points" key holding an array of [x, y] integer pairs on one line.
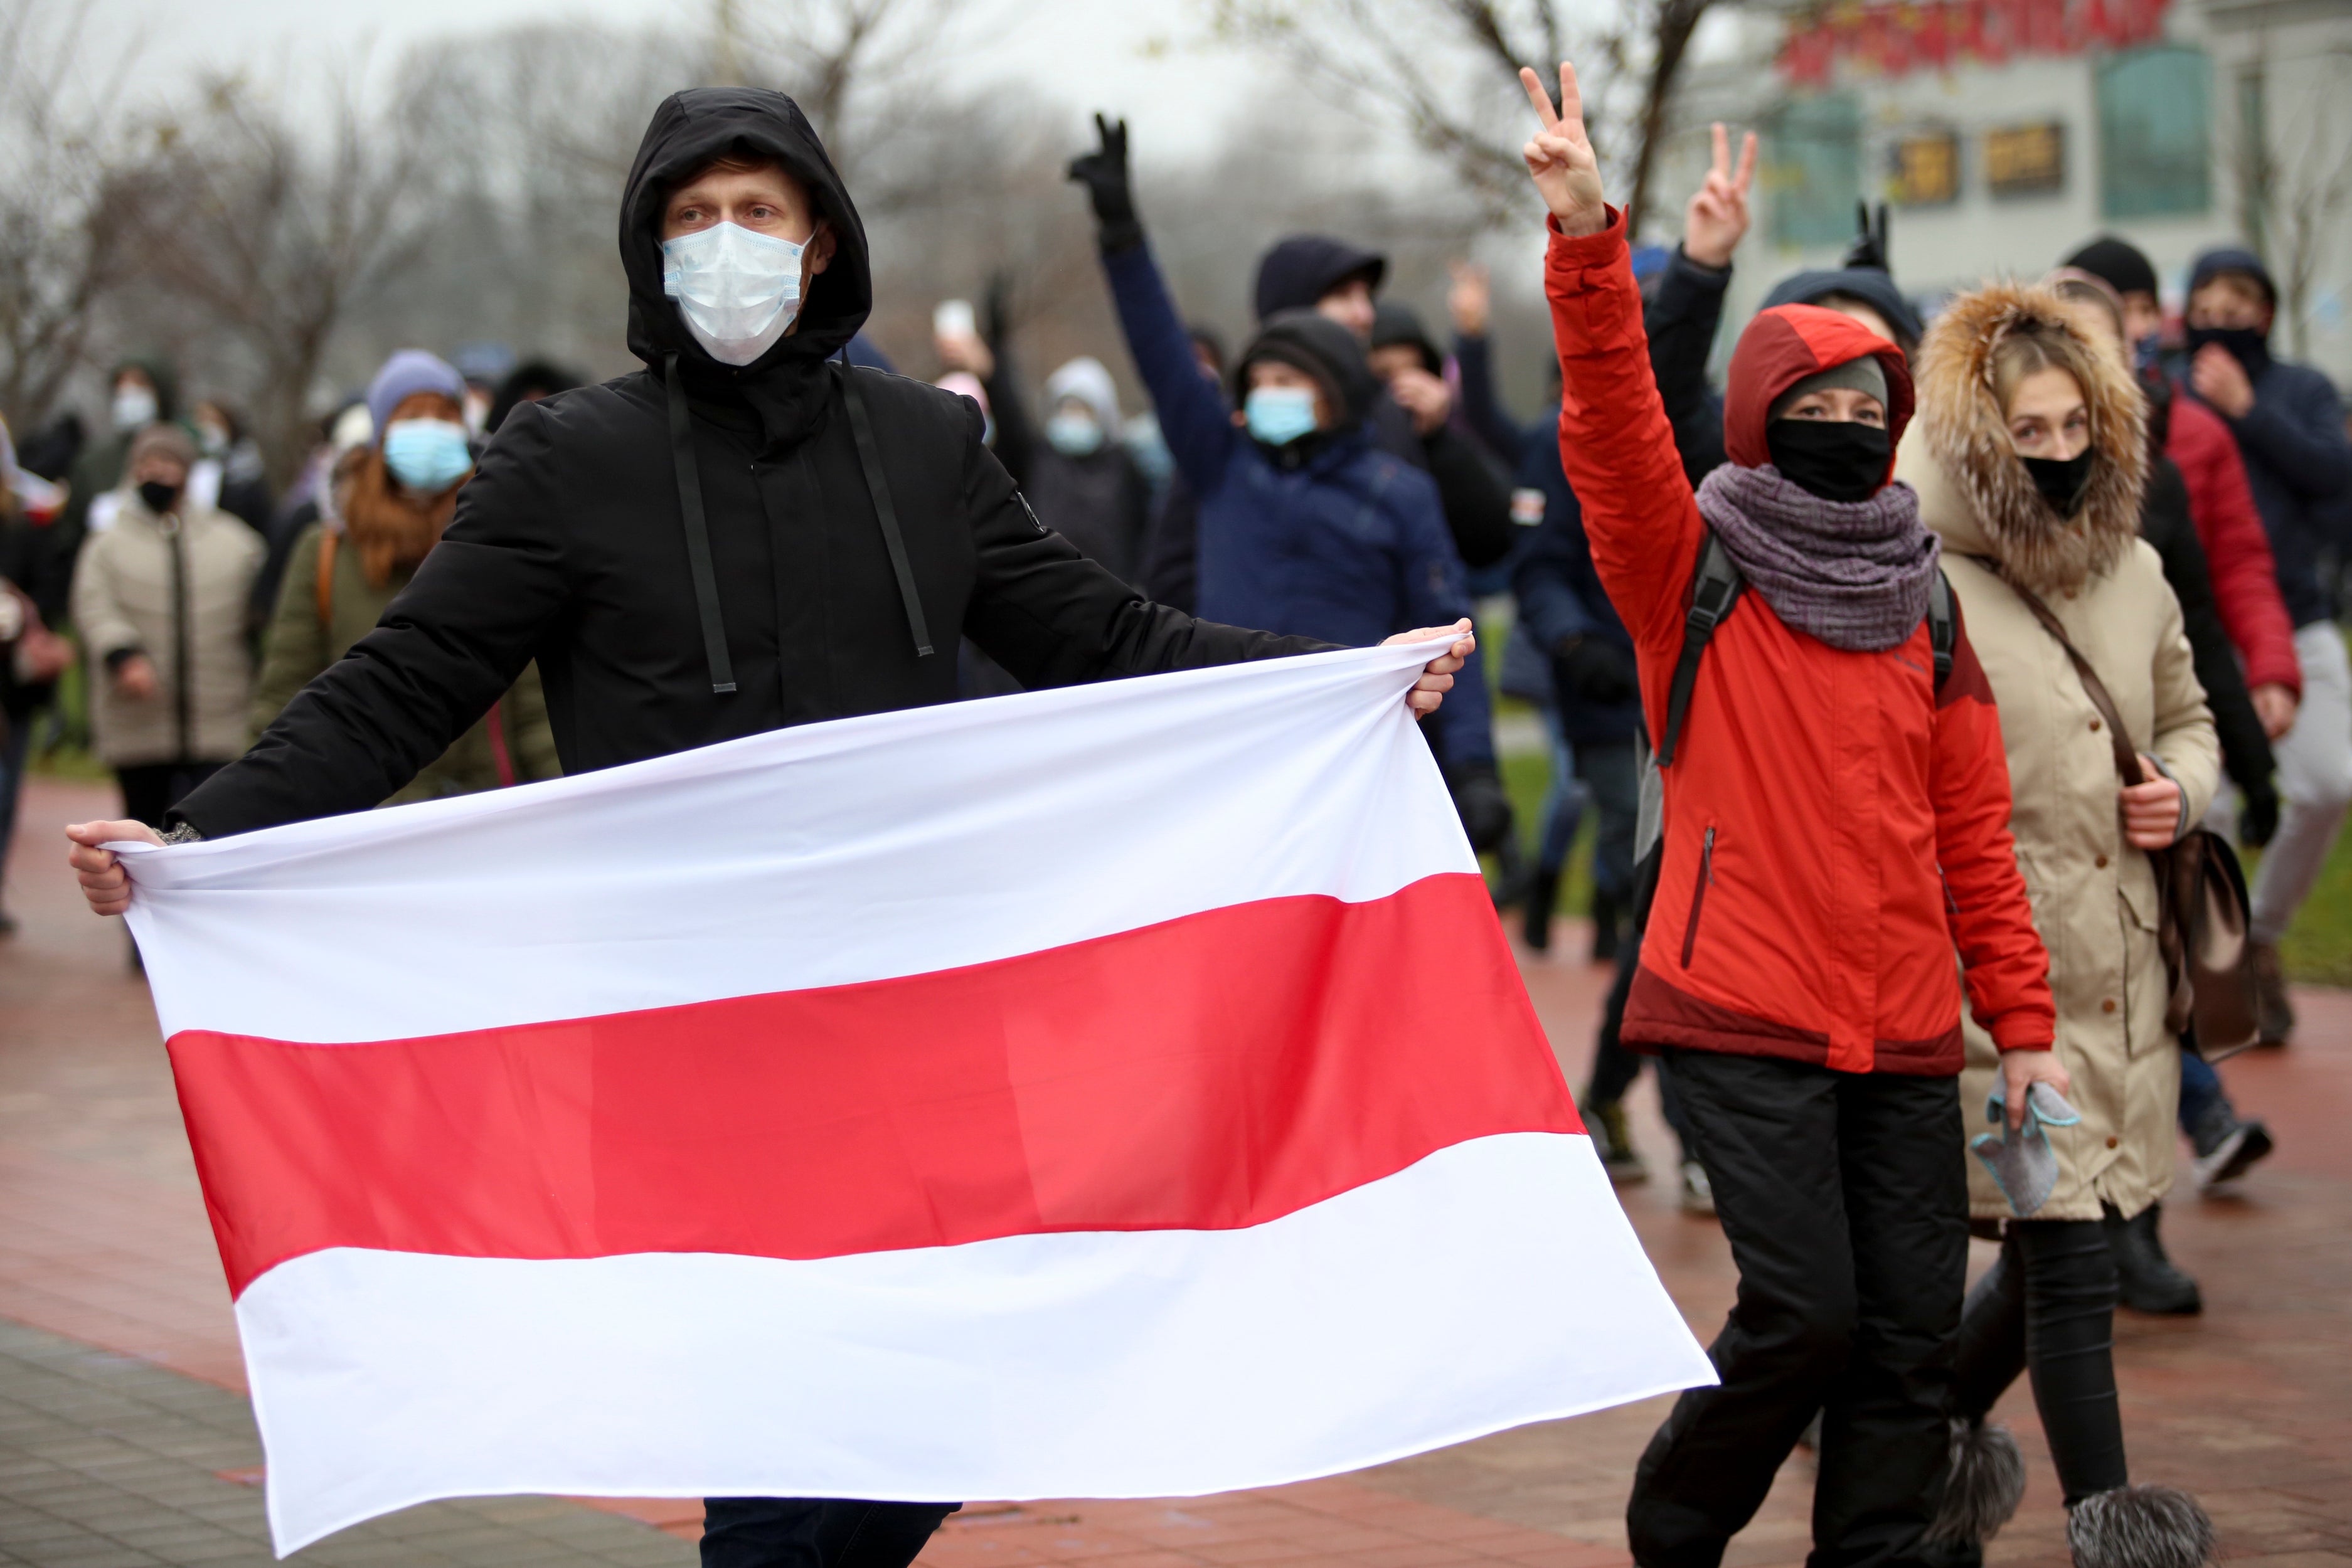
{"points": [[1836, 807], [1686, 303]]}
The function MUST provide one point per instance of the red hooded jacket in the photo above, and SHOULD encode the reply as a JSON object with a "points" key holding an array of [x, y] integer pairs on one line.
{"points": [[1835, 828], [2245, 577]]}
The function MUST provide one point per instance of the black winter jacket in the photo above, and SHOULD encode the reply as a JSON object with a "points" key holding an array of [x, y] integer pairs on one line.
{"points": [[569, 546], [2165, 522]]}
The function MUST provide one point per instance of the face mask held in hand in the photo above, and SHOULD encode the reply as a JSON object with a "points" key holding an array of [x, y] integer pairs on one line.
{"points": [[1279, 415], [1836, 459], [738, 291], [426, 455], [2063, 481], [2250, 346]]}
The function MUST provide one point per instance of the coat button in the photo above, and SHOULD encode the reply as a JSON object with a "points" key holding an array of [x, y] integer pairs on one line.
{"points": [[2095, 724], [2111, 1142], [2108, 1006], [2101, 863]]}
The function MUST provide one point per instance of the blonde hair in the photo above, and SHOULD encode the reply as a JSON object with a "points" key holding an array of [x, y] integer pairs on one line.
{"points": [[2030, 348]]}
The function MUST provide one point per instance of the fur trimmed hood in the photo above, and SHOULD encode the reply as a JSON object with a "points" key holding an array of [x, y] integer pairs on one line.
{"points": [[1990, 505]]}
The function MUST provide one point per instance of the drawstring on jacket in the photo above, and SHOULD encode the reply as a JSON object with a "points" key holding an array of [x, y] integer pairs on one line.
{"points": [[698, 529]]}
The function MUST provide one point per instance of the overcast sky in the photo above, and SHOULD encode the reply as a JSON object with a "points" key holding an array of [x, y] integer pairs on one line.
{"points": [[1149, 58]]}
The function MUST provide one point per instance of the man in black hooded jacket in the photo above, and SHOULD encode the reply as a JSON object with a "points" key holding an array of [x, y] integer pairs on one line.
{"points": [[704, 551]]}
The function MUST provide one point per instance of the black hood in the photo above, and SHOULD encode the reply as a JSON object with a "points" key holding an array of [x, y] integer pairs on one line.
{"points": [[1305, 268], [1393, 324], [687, 131], [2231, 258], [1306, 340], [1870, 285]]}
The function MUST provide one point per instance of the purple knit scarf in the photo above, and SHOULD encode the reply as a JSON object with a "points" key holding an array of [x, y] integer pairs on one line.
{"points": [[1852, 573]]}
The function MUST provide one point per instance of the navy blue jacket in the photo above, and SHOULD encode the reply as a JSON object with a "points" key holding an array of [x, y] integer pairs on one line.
{"points": [[2298, 462], [1559, 593], [1349, 546]]}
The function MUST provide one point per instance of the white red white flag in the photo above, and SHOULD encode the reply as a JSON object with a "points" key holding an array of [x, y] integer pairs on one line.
{"points": [[1119, 1090]]}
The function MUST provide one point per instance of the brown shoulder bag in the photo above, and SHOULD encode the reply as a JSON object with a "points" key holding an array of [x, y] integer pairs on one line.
{"points": [[2201, 896]]}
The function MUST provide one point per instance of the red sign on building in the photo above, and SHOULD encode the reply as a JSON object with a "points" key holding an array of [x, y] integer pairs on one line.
{"points": [[1897, 39]]}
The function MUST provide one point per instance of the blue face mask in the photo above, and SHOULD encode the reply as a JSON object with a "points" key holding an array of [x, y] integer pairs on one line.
{"points": [[1074, 435], [1279, 415], [426, 455]]}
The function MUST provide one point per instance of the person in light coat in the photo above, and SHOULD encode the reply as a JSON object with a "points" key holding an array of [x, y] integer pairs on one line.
{"points": [[2030, 456], [162, 599]]}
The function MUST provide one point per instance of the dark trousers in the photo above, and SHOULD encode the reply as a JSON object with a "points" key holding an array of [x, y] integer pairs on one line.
{"points": [[1614, 1064], [2048, 1307], [152, 788], [1845, 1202], [815, 1531]]}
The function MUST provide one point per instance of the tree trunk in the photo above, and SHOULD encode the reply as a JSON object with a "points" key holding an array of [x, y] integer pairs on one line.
{"points": [[1677, 20]]}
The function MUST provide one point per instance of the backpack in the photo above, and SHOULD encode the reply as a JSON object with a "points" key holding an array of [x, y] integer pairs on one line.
{"points": [[1716, 588]]}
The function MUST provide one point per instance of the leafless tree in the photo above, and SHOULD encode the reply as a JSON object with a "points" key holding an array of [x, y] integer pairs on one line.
{"points": [[2293, 178], [63, 245], [1446, 70], [270, 234]]}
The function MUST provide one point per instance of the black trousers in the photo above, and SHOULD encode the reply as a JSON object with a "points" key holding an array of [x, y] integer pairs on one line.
{"points": [[815, 1531], [2048, 1307], [152, 788], [1845, 1202], [1614, 1064]]}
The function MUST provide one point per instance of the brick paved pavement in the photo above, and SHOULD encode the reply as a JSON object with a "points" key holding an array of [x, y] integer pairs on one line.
{"points": [[103, 1242]]}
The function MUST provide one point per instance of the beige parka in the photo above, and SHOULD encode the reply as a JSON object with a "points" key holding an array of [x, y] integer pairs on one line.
{"points": [[2094, 896], [192, 621]]}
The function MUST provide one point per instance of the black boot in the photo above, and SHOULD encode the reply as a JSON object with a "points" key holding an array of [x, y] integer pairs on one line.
{"points": [[1604, 927], [2146, 1278], [1543, 892]]}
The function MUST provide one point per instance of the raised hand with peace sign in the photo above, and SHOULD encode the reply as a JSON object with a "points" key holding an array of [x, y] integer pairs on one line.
{"points": [[1717, 217], [1560, 159]]}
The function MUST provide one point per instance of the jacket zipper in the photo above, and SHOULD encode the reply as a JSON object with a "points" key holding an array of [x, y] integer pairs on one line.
{"points": [[182, 698], [1698, 895]]}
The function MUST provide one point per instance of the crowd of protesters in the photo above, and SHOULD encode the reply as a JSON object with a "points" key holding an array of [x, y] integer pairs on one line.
{"points": [[1883, 670]]}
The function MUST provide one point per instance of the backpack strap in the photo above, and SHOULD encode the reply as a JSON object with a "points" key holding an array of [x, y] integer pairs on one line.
{"points": [[1715, 588], [1943, 627], [877, 486], [328, 539], [698, 533]]}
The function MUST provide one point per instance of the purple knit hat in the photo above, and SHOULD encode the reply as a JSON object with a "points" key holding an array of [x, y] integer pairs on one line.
{"points": [[407, 373]]}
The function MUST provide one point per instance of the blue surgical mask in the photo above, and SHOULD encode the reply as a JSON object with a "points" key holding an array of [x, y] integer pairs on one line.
{"points": [[1279, 415], [426, 455], [1074, 435]]}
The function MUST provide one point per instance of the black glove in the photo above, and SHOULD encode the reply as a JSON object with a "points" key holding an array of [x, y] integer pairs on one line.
{"points": [[2258, 809], [1595, 670], [1480, 802], [1104, 174], [1870, 245]]}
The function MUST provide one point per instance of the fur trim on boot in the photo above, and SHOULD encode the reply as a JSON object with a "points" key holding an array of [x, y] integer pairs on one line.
{"points": [[1965, 432], [2140, 1527], [1985, 1483]]}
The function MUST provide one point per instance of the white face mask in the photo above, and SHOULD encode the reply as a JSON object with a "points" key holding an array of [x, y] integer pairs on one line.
{"points": [[738, 291], [134, 408]]}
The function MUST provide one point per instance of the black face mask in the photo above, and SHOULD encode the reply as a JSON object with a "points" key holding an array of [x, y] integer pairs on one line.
{"points": [[2063, 481], [1835, 459], [2250, 346], [159, 496]]}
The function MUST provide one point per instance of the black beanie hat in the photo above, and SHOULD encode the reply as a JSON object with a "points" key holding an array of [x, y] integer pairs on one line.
{"points": [[2119, 264], [1311, 342]]}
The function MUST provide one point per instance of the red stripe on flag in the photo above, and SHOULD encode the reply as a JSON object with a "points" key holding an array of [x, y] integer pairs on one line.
{"points": [[1214, 1071]]}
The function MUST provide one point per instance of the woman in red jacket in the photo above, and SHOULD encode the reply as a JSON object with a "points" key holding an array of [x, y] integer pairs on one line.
{"points": [[1836, 824]]}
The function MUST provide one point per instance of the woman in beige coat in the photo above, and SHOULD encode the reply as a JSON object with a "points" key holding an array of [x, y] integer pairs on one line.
{"points": [[2029, 456], [160, 599]]}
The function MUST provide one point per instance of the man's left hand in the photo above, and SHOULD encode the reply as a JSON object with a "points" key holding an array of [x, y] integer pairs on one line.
{"points": [[2216, 376], [1438, 676]]}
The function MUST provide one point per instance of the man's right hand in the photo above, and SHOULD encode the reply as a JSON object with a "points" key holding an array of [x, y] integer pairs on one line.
{"points": [[1471, 299], [1716, 220], [103, 881], [1103, 172]]}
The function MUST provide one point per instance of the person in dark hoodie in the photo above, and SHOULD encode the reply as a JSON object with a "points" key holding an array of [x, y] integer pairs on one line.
{"points": [[621, 535], [2290, 429], [1306, 525], [1408, 363]]}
